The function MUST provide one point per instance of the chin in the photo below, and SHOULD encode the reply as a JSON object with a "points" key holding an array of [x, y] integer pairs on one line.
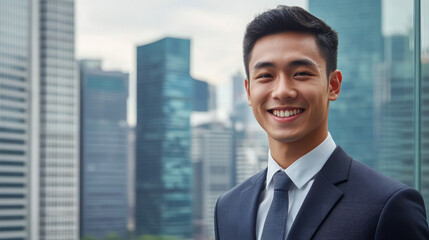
{"points": [[285, 138]]}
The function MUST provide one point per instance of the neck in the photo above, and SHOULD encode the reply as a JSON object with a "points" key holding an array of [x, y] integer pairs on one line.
{"points": [[286, 153]]}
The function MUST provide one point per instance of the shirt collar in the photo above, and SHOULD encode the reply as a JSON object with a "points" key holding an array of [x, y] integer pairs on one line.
{"points": [[306, 167]]}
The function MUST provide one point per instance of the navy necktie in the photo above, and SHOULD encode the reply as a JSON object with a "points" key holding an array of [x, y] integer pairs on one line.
{"points": [[275, 224]]}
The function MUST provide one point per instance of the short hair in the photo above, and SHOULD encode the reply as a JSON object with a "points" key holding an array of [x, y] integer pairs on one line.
{"points": [[291, 19]]}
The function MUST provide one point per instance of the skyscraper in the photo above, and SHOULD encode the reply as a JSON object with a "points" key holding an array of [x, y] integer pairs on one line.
{"points": [[242, 112], [212, 153], [201, 96], [360, 50], [39, 120], [15, 120], [393, 104], [59, 122], [104, 151], [251, 153], [163, 138], [377, 57], [249, 140]]}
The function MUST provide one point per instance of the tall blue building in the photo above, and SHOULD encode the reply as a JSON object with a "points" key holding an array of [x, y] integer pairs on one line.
{"points": [[394, 111], [375, 116], [104, 151], [163, 162], [351, 117]]}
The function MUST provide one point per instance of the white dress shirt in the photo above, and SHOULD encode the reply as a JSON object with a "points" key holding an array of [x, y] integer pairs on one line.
{"points": [[302, 173]]}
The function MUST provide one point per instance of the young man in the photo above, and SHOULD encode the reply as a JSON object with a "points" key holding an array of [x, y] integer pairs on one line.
{"points": [[311, 189]]}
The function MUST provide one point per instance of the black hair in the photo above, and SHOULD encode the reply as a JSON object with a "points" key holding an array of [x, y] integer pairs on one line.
{"points": [[291, 19]]}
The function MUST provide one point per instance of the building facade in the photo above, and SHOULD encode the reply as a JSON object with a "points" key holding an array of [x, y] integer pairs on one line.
{"points": [[201, 93], [15, 120], [212, 153], [360, 51], [381, 117], [59, 122], [393, 104], [39, 121], [104, 151], [163, 139]]}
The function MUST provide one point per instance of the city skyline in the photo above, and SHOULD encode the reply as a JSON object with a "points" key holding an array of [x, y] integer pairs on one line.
{"points": [[189, 68], [112, 31]]}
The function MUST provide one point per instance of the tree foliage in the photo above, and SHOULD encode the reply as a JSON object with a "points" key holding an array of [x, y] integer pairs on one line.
{"points": [[112, 236], [89, 238], [157, 237]]}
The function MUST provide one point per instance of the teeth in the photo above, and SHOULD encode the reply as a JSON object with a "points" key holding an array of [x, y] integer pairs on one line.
{"points": [[286, 113]]}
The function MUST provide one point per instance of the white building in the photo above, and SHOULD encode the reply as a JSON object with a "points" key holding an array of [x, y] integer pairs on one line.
{"points": [[39, 110], [59, 122], [212, 160], [251, 153], [15, 124]]}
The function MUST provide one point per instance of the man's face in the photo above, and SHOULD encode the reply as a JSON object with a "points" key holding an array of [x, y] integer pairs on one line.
{"points": [[288, 88]]}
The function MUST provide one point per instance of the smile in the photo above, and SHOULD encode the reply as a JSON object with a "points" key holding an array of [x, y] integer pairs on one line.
{"points": [[286, 113]]}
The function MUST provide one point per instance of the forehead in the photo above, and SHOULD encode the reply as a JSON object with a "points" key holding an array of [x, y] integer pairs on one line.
{"points": [[285, 47]]}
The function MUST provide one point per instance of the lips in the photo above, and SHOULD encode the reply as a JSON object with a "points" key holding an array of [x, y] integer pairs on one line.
{"points": [[284, 113]]}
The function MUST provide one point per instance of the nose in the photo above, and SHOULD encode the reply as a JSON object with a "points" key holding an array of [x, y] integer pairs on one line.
{"points": [[284, 88]]}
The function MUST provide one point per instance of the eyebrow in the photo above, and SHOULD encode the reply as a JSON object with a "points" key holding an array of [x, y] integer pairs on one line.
{"points": [[260, 65], [295, 63], [302, 62]]}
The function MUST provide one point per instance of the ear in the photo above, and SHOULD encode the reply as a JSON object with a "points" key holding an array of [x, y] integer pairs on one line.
{"points": [[335, 85], [247, 86]]}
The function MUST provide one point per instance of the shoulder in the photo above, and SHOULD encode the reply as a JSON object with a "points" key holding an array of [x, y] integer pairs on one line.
{"points": [[357, 178], [373, 180], [234, 194], [398, 210], [403, 216], [242, 197]]}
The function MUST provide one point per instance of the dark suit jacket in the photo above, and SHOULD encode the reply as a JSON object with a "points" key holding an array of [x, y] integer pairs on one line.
{"points": [[348, 200]]}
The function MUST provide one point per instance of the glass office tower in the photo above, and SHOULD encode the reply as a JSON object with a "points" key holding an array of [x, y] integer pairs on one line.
{"points": [[163, 164], [351, 117], [15, 120], [381, 116], [104, 151], [201, 96]]}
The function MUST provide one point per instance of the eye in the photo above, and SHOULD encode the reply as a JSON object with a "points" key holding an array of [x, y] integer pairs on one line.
{"points": [[265, 75], [302, 74]]}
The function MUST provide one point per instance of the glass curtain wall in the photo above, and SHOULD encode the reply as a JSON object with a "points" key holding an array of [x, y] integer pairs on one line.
{"points": [[382, 116]]}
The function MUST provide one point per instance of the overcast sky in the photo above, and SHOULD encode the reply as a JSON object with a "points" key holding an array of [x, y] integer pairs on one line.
{"points": [[112, 29]]}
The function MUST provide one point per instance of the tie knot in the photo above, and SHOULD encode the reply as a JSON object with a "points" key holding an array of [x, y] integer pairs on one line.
{"points": [[281, 181]]}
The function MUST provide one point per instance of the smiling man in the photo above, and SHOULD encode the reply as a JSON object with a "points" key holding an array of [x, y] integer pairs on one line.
{"points": [[311, 188]]}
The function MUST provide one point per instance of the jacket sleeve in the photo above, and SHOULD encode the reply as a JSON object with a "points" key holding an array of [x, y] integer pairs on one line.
{"points": [[403, 217]]}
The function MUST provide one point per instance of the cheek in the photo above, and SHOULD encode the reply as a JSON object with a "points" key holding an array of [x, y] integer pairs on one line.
{"points": [[317, 98], [258, 94]]}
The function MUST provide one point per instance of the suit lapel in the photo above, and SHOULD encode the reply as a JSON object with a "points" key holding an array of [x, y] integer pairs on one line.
{"points": [[322, 197], [249, 203]]}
